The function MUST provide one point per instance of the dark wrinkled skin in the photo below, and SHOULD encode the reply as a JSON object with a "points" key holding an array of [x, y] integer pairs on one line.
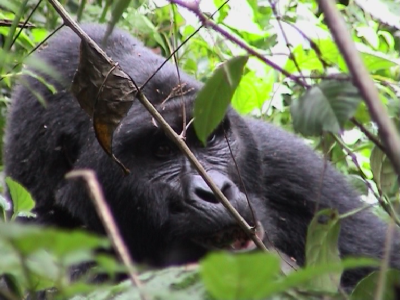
{"points": [[163, 204]]}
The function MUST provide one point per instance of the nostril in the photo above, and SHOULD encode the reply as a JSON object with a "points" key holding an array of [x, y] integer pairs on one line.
{"points": [[200, 191], [206, 195], [228, 191]]}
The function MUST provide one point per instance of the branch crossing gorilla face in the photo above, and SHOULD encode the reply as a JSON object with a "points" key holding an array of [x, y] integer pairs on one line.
{"points": [[165, 211]]}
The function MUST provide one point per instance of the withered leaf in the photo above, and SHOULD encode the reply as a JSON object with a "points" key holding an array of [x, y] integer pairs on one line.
{"points": [[105, 92]]}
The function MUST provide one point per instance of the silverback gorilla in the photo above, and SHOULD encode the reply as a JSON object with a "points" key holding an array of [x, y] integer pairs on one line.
{"points": [[166, 213]]}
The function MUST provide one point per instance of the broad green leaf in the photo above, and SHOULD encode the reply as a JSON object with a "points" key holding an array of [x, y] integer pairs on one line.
{"points": [[38, 34], [305, 60], [362, 114], [220, 275], [223, 10], [214, 98], [375, 61], [384, 174], [322, 248], [178, 283], [309, 274], [309, 60], [252, 92], [27, 239], [388, 37], [366, 288], [118, 8], [228, 276], [325, 107], [21, 198]]}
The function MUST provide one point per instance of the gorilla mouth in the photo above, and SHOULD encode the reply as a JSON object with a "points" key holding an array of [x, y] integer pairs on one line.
{"points": [[232, 239]]}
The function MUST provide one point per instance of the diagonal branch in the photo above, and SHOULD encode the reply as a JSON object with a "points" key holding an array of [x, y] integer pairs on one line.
{"points": [[387, 130]]}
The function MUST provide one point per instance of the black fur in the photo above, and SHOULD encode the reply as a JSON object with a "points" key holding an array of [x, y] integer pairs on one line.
{"points": [[163, 204]]}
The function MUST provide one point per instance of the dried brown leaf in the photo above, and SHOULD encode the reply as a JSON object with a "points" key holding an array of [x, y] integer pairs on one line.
{"points": [[105, 92]]}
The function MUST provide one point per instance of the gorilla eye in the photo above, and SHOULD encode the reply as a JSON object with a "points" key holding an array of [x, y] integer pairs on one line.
{"points": [[163, 150], [212, 138]]}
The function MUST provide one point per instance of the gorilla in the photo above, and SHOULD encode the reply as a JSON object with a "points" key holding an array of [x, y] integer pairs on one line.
{"points": [[166, 213]]}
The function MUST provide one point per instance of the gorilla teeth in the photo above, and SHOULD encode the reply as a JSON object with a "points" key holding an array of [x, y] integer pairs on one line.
{"points": [[247, 244], [232, 239]]}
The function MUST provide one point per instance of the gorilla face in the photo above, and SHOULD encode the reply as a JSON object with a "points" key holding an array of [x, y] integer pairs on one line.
{"points": [[165, 211], [164, 197]]}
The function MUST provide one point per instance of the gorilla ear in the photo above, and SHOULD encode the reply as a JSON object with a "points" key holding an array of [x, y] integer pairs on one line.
{"points": [[210, 106]]}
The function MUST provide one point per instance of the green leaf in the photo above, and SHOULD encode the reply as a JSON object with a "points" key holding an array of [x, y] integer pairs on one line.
{"points": [[253, 91], [325, 107], [178, 283], [228, 276], [366, 288], [223, 11], [21, 198], [375, 61], [384, 173], [311, 274], [322, 248], [214, 98], [27, 239]]}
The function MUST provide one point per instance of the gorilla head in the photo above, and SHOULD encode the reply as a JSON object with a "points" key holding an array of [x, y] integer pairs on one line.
{"points": [[164, 209]]}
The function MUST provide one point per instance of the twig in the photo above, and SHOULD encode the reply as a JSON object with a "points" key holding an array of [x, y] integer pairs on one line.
{"points": [[388, 208], [10, 36], [26, 22], [380, 286], [369, 135], [196, 164], [387, 131], [180, 46], [313, 45], [108, 221], [288, 45], [167, 129], [194, 8]]}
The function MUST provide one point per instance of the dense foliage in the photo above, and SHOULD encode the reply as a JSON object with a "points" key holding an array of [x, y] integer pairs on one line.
{"points": [[303, 84]]}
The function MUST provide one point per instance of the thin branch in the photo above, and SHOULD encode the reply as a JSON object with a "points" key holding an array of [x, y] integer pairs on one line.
{"points": [[368, 134], [387, 130], [35, 48], [194, 8], [313, 45], [104, 212], [288, 45], [388, 208], [196, 164], [26, 22], [167, 129], [380, 287], [180, 46]]}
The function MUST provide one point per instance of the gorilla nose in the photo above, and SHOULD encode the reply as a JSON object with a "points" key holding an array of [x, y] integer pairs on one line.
{"points": [[200, 191]]}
